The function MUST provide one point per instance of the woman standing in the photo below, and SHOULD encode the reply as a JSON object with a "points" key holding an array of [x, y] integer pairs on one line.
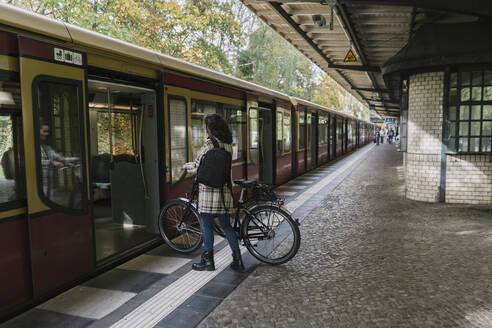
{"points": [[210, 201]]}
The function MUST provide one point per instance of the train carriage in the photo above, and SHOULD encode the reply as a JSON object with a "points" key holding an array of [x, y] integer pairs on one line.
{"points": [[94, 134]]}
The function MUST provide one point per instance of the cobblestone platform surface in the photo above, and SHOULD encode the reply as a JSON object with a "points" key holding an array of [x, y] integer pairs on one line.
{"points": [[371, 258]]}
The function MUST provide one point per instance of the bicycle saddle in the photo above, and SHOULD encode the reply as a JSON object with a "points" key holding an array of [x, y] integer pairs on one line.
{"points": [[245, 183]]}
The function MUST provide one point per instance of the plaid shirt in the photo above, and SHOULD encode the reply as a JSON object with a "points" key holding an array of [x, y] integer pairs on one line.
{"points": [[209, 199], [48, 155]]}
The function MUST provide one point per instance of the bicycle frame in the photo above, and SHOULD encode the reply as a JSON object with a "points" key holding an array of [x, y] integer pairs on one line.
{"points": [[241, 206]]}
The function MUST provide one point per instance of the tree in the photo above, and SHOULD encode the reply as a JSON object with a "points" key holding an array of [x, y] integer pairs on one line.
{"points": [[271, 61], [220, 34], [197, 31]]}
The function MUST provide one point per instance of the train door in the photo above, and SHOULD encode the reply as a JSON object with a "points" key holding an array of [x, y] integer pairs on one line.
{"points": [[124, 166], [323, 152], [266, 137], [261, 144], [311, 141], [345, 136], [283, 171], [53, 102], [15, 275], [330, 138], [309, 154], [358, 137], [301, 141]]}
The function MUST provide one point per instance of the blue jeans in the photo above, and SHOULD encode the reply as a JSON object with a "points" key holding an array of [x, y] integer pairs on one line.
{"points": [[207, 222]]}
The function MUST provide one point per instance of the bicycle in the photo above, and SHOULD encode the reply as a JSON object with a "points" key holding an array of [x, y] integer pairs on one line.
{"points": [[267, 229]]}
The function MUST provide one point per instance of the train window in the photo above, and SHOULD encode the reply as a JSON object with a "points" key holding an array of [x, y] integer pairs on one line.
{"points": [[11, 176], [330, 131], [354, 133], [253, 135], [326, 128], [309, 128], [345, 135], [57, 105], [237, 122], [302, 130], [322, 130], [287, 133], [349, 134], [116, 115], [199, 109], [279, 133], [178, 136], [339, 134]]}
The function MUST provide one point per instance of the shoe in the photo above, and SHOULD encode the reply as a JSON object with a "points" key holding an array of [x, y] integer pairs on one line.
{"points": [[207, 262], [237, 261]]}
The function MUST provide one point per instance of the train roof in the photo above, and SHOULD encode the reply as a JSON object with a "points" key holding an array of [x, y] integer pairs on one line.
{"points": [[74, 35]]}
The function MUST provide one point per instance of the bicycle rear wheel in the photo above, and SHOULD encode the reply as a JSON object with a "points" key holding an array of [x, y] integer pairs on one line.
{"points": [[180, 227], [270, 234]]}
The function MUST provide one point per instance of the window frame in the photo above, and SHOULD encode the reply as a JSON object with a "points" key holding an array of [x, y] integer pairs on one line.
{"points": [[37, 143], [244, 127], [218, 110], [18, 147], [187, 146], [298, 128], [286, 114], [249, 117], [458, 104]]}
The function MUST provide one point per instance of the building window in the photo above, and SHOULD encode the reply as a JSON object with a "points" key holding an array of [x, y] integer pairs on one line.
{"points": [[469, 112]]}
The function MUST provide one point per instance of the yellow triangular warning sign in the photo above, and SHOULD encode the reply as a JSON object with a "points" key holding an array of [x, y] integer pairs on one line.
{"points": [[350, 57]]}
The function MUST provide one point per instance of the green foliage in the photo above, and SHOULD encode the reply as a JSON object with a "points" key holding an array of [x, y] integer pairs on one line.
{"points": [[198, 31], [272, 62], [220, 34], [328, 93], [5, 134]]}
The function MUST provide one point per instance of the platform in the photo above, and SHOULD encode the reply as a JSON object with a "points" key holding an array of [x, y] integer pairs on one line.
{"points": [[368, 257]]}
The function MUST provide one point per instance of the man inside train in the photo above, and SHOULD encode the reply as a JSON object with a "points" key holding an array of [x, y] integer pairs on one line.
{"points": [[50, 160]]}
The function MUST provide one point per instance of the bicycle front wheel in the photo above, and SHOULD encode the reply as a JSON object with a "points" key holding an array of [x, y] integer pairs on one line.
{"points": [[270, 234], [179, 226]]}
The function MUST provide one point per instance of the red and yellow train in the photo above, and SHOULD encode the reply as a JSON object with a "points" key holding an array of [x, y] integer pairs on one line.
{"points": [[94, 132]]}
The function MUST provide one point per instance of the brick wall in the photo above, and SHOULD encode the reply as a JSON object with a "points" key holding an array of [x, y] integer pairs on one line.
{"points": [[425, 113], [469, 179], [422, 176], [423, 159]]}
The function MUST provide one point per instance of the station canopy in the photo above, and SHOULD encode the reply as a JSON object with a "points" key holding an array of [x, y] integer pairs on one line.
{"points": [[352, 39]]}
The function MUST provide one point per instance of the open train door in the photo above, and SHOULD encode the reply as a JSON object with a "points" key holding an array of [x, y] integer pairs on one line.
{"points": [[54, 122]]}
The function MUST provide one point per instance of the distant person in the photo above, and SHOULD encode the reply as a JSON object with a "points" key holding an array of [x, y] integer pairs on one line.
{"points": [[381, 136], [377, 138], [50, 160]]}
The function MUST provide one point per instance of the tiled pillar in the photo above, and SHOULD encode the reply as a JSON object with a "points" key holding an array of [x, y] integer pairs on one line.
{"points": [[425, 115]]}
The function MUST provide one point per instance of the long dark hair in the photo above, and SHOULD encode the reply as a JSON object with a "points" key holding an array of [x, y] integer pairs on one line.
{"points": [[218, 128]]}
